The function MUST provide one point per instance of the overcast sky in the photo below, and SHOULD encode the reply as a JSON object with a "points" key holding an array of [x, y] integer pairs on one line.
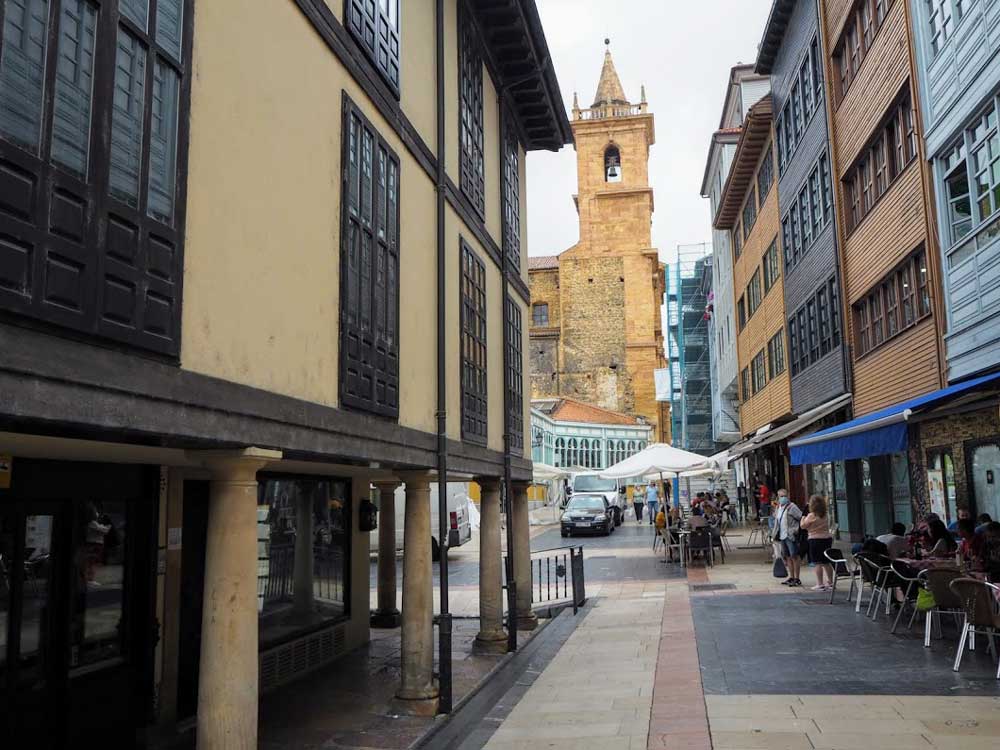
{"points": [[682, 52]]}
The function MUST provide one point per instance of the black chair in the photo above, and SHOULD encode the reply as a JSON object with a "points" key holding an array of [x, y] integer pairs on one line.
{"points": [[912, 583], [700, 541]]}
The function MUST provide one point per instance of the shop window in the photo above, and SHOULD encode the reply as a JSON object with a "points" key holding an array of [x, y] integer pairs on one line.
{"points": [[289, 508], [100, 574], [942, 490], [899, 484]]}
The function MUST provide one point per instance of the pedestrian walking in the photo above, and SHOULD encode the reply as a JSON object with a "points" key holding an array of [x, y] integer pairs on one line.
{"points": [[817, 525], [786, 533], [637, 503], [743, 501], [652, 501]]}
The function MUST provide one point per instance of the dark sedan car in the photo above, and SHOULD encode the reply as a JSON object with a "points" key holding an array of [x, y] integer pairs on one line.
{"points": [[587, 513]]}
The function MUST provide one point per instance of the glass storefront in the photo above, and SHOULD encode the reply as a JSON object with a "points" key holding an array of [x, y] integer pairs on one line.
{"points": [[941, 484]]}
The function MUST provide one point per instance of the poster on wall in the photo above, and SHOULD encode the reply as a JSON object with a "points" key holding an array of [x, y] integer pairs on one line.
{"points": [[935, 487]]}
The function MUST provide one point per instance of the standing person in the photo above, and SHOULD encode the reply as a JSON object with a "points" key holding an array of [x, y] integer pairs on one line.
{"points": [[652, 500], [817, 524], [786, 533], [637, 503], [742, 501]]}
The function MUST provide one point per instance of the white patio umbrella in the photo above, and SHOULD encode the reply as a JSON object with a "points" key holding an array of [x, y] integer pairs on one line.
{"points": [[657, 459]]}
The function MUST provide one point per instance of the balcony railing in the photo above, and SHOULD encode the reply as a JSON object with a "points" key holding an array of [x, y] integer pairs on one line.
{"points": [[614, 110]]}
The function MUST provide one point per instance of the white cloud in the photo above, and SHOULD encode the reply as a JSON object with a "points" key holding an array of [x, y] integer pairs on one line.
{"points": [[682, 52]]}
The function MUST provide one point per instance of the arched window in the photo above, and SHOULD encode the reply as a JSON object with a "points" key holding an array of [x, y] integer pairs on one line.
{"points": [[572, 457], [560, 452], [585, 453], [621, 450], [631, 447], [595, 455], [612, 164]]}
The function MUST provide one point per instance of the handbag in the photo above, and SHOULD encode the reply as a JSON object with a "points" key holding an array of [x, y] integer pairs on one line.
{"points": [[779, 570], [925, 600]]}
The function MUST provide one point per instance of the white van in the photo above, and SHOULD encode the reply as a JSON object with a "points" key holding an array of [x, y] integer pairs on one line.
{"points": [[459, 528], [612, 489]]}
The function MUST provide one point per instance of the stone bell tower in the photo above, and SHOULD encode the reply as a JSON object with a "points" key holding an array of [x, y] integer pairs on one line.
{"points": [[610, 284]]}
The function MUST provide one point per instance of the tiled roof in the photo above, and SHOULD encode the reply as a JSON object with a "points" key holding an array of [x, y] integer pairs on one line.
{"points": [[571, 410], [542, 262]]}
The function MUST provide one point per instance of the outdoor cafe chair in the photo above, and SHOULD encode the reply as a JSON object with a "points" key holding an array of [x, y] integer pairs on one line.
{"points": [[913, 583], [700, 540], [871, 576], [841, 569], [979, 600], [724, 533], [938, 582], [718, 541], [887, 583]]}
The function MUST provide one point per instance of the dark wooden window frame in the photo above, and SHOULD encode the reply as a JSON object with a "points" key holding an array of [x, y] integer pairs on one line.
{"points": [[814, 328], [378, 36], [510, 194], [799, 228], [471, 154], [515, 378], [758, 372], [771, 266], [776, 360], [858, 180], [852, 34], [749, 212], [473, 351], [765, 176], [789, 124], [369, 268], [76, 257], [745, 384], [872, 310], [536, 309]]}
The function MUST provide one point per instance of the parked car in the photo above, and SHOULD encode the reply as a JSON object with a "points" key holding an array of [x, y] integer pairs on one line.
{"points": [[587, 512], [612, 490], [459, 527]]}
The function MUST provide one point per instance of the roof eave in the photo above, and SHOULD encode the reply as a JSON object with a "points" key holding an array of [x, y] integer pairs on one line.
{"points": [[756, 131], [774, 34]]}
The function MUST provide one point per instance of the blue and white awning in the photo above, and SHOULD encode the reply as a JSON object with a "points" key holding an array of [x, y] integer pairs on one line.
{"points": [[874, 434]]}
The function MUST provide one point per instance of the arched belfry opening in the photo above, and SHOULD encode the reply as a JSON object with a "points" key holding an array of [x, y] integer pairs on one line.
{"points": [[612, 164]]}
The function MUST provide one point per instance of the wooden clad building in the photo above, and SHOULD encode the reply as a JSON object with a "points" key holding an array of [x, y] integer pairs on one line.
{"points": [[749, 210], [888, 250]]}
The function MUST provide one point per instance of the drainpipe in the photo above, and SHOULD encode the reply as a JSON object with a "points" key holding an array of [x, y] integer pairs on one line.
{"points": [[444, 619], [508, 496]]}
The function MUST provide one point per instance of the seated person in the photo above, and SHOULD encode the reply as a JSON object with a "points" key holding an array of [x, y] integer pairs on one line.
{"points": [[941, 543], [962, 513], [970, 546], [661, 519], [895, 541], [698, 520], [982, 521]]}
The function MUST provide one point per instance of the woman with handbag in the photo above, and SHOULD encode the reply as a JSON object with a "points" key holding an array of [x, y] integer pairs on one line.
{"points": [[786, 533]]}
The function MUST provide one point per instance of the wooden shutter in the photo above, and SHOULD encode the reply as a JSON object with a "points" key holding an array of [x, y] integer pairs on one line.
{"points": [[375, 25], [369, 279]]}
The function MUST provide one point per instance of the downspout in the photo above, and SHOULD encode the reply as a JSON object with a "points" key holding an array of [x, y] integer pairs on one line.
{"points": [[508, 504], [444, 619]]}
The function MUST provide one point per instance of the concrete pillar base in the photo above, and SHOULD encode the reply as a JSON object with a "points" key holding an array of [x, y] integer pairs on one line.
{"points": [[390, 619], [491, 641], [527, 621], [415, 706]]}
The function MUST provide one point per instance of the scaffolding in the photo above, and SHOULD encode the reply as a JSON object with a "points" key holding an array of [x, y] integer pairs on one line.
{"points": [[688, 288]]}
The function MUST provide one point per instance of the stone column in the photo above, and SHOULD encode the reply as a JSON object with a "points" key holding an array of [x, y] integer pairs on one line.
{"points": [[387, 614], [491, 633], [417, 692], [526, 619], [302, 593], [227, 678]]}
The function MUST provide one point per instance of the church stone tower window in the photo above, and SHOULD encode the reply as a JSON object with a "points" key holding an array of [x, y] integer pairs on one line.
{"points": [[612, 164]]}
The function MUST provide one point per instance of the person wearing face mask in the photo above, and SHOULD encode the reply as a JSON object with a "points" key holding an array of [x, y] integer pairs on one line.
{"points": [[786, 533]]}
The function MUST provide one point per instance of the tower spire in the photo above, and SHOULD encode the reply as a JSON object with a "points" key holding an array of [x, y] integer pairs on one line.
{"points": [[609, 87]]}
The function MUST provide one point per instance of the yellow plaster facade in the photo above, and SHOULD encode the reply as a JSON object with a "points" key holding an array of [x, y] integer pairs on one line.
{"points": [[603, 338]]}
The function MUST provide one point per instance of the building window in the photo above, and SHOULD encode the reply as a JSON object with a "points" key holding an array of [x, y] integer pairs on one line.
{"points": [[862, 26], [813, 323], [776, 355], [375, 27], [805, 219], [749, 213], [470, 87], [771, 265], [939, 19], [93, 116], [560, 452], [475, 387], [511, 196], [798, 118], [793, 344], [894, 145], [814, 330], [612, 164], [758, 372], [804, 99], [741, 312], [779, 137], [817, 71], [956, 183], [515, 378], [894, 305], [540, 314], [745, 383], [765, 176], [369, 270], [754, 295], [737, 241], [316, 507]]}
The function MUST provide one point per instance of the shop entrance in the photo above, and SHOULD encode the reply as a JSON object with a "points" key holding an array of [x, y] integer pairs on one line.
{"points": [[76, 619], [984, 465]]}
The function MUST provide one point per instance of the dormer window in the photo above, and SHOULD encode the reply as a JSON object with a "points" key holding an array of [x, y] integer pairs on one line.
{"points": [[612, 165]]}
